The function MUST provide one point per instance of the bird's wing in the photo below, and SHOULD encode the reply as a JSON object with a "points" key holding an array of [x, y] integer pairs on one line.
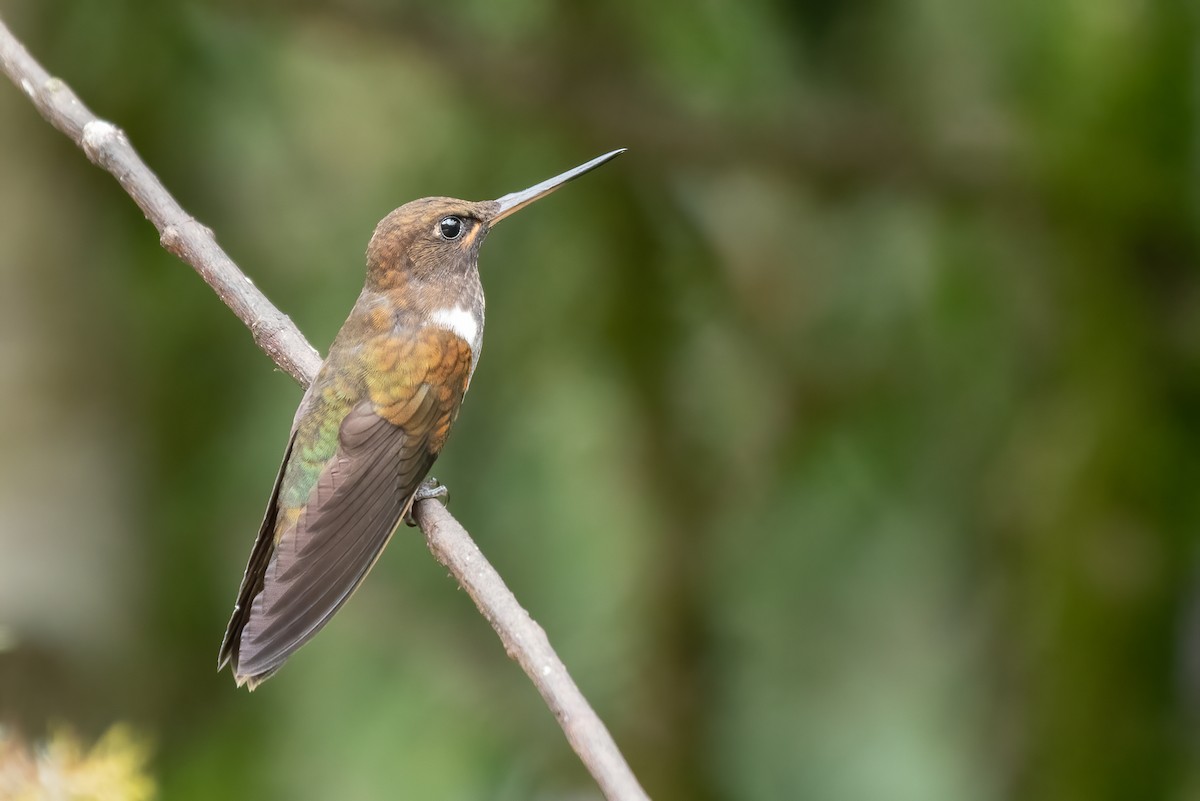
{"points": [[264, 546], [300, 576]]}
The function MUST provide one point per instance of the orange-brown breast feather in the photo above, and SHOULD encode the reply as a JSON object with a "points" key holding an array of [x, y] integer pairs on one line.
{"points": [[412, 388]]}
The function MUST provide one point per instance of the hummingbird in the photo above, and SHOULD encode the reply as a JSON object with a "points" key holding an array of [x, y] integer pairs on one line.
{"points": [[371, 424]]}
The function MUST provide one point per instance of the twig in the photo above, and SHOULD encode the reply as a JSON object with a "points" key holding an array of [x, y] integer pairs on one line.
{"points": [[524, 640], [108, 148]]}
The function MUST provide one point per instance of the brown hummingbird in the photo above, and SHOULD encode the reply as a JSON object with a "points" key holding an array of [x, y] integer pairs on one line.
{"points": [[371, 424]]}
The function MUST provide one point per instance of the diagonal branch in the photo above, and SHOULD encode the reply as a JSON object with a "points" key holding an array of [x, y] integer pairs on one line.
{"points": [[524, 640]]}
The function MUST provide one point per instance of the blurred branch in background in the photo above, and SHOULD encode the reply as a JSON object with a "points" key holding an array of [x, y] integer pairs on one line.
{"points": [[525, 641], [845, 147]]}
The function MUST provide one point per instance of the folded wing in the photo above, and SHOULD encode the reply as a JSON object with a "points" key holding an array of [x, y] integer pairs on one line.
{"points": [[298, 578]]}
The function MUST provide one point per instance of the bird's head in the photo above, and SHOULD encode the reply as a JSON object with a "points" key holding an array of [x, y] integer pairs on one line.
{"points": [[437, 238]]}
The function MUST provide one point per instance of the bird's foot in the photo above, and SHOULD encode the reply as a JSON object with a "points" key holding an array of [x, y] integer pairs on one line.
{"points": [[430, 488]]}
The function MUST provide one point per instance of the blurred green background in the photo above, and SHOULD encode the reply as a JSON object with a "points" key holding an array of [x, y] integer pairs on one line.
{"points": [[843, 434]]}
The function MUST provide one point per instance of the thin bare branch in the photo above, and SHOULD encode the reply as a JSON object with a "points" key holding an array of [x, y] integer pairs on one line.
{"points": [[524, 640], [108, 148]]}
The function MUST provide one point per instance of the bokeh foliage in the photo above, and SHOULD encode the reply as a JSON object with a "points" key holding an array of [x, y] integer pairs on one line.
{"points": [[842, 435], [64, 768]]}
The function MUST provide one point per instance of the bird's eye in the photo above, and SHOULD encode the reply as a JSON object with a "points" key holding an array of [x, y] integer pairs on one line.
{"points": [[450, 227]]}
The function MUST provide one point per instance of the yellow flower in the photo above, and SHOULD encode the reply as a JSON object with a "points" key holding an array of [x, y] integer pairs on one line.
{"points": [[63, 770]]}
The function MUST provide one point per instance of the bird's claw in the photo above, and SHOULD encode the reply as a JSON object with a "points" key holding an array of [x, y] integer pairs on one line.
{"points": [[430, 488]]}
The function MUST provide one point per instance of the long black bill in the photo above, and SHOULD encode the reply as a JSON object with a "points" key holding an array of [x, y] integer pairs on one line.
{"points": [[516, 201]]}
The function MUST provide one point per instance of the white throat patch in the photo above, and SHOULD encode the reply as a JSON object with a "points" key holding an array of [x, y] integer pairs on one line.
{"points": [[459, 321]]}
